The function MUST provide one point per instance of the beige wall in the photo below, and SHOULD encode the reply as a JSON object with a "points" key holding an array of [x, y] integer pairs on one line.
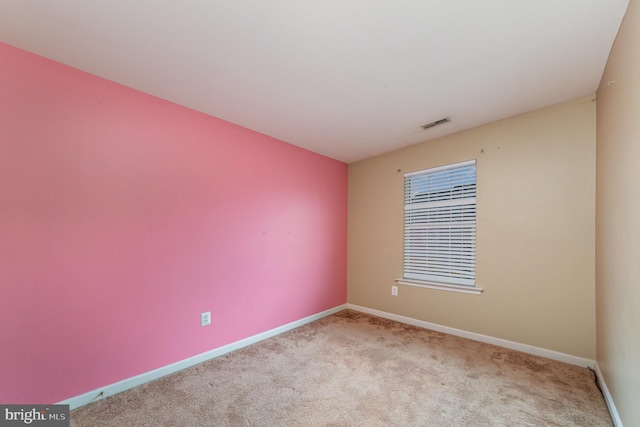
{"points": [[618, 220], [535, 230]]}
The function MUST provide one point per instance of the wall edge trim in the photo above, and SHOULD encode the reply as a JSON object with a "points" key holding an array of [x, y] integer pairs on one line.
{"points": [[128, 383], [525, 348], [615, 416]]}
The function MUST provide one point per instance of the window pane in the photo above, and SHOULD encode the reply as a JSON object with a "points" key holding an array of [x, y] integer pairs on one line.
{"points": [[440, 224]]}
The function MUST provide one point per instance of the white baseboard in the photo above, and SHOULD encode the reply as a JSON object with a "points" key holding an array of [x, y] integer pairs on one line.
{"points": [[608, 398], [109, 390], [525, 348]]}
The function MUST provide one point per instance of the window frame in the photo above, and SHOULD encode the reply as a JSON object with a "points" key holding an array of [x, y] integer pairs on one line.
{"points": [[444, 219]]}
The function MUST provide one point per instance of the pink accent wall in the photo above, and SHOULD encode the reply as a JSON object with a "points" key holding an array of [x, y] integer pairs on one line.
{"points": [[123, 216]]}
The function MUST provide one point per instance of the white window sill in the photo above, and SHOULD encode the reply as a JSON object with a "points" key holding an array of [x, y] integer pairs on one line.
{"points": [[441, 286]]}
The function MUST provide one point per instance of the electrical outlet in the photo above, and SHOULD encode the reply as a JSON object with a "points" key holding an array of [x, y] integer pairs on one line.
{"points": [[205, 318], [394, 291]]}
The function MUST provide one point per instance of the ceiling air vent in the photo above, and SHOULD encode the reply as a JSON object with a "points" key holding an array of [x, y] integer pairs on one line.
{"points": [[436, 123]]}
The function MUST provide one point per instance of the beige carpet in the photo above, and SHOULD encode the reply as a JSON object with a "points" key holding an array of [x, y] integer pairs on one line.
{"points": [[352, 369]]}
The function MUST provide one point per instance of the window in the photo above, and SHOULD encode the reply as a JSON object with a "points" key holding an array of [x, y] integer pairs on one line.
{"points": [[440, 228]]}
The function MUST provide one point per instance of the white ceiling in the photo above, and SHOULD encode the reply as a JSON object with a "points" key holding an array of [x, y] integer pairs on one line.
{"points": [[349, 79]]}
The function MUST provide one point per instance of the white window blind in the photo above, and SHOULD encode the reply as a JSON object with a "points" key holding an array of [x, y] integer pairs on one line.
{"points": [[440, 224]]}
